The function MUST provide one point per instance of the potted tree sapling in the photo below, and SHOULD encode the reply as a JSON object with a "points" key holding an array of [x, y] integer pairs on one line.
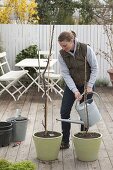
{"points": [[87, 143], [108, 56], [47, 142]]}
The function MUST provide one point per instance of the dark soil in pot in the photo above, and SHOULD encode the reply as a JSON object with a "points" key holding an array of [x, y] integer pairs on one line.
{"points": [[88, 135], [50, 134]]}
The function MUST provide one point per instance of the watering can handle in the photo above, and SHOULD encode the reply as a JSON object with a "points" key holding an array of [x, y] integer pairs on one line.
{"points": [[76, 101], [93, 92]]}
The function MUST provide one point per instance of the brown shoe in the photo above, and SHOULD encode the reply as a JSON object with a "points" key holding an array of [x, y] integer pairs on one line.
{"points": [[64, 145]]}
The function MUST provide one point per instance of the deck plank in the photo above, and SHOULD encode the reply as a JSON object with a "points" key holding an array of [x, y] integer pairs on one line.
{"points": [[31, 106]]}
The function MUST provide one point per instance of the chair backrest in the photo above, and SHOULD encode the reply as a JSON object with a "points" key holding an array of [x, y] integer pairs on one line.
{"points": [[4, 65], [44, 54]]}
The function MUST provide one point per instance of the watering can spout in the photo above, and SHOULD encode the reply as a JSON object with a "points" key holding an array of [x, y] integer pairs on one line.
{"points": [[71, 121]]}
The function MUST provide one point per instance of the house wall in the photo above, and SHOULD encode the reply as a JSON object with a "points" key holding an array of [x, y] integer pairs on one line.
{"points": [[17, 37]]}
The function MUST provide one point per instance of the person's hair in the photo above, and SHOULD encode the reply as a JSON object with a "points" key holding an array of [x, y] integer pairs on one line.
{"points": [[68, 36], [74, 34]]}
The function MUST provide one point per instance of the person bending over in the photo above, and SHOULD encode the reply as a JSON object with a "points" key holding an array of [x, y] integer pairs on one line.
{"points": [[72, 63]]}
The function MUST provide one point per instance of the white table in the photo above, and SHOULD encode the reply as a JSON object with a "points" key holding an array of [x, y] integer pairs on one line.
{"points": [[36, 64]]}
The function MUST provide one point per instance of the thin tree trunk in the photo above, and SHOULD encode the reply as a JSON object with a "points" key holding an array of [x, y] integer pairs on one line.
{"points": [[44, 83]]}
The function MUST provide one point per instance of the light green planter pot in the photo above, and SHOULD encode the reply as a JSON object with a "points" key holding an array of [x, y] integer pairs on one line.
{"points": [[47, 149], [87, 149]]}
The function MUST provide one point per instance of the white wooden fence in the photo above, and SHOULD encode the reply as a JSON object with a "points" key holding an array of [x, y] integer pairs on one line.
{"points": [[17, 37]]}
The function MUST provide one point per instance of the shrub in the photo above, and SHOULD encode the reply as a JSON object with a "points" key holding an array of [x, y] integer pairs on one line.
{"points": [[23, 165], [1, 45], [101, 82], [30, 52], [4, 164], [61, 83]]}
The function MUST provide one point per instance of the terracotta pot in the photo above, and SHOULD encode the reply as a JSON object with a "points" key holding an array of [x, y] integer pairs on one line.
{"points": [[110, 71]]}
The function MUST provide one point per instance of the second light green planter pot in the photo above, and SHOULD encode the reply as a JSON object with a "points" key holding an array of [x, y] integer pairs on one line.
{"points": [[47, 149], [87, 149]]}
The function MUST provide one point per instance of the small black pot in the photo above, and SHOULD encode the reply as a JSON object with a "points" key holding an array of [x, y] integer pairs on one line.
{"points": [[5, 133]]}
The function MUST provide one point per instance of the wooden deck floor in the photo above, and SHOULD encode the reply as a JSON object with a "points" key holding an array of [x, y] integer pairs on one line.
{"points": [[31, 105]]}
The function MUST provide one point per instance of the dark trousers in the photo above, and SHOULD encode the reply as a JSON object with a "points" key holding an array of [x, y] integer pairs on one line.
{"points": [[66, 106]]}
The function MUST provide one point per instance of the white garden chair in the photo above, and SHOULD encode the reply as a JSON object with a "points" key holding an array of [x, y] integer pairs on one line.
{"points": [[52, 78], [44, 55], [9, 79]]}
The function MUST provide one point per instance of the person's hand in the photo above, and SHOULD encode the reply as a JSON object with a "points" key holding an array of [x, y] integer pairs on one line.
{"points": [[78, 96], [89, 89]]}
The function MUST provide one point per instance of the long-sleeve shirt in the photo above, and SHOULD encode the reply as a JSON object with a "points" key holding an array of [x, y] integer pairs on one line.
{"points": [[91, 59]]}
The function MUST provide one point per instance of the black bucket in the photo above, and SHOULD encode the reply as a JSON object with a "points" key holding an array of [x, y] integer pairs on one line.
{"points": [[5, 133]]}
